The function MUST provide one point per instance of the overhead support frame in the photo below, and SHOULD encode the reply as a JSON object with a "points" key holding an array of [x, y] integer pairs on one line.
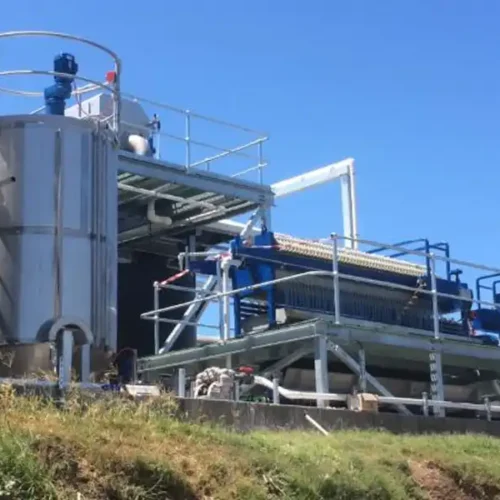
{"points": [[343, 171]]}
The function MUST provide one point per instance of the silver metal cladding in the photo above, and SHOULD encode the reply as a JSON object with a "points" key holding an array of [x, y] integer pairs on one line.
{"points": [[57, 229]]}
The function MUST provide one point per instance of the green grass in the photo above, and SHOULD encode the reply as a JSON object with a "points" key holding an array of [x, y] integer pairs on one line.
{"points": [[120, 450]]}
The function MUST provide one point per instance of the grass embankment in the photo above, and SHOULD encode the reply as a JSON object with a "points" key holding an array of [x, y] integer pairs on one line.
{"points": [[119, 450]]}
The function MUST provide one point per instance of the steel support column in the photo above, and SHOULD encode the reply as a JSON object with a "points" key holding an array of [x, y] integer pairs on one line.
{"points": [[437, 389], [64, 357], [321, 368], [362, 370]]}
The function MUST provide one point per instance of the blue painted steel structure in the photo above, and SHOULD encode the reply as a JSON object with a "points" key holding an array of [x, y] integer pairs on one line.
{"points": [[262, 261], [485, 321], [425, 246]]}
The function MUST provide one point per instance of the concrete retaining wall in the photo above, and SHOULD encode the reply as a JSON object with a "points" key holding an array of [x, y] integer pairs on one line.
{"points": [[247, 416]]}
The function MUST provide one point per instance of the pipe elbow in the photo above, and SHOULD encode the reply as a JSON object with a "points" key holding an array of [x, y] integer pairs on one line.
{"points": [[154, 218]]}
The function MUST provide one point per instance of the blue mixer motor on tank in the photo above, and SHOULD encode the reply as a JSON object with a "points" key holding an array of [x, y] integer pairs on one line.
{"points": [[65, 67]]}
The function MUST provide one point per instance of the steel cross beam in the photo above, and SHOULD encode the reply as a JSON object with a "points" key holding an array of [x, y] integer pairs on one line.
{"points": [[193, 311], [354, 366], [281, 364]]}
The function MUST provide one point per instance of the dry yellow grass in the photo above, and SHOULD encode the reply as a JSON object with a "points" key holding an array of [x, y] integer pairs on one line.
{"points": [[117, 449]]}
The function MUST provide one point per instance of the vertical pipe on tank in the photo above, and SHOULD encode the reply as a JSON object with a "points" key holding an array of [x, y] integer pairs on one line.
{"points": [[102, 237], [93, 230], [58, 211], [112, 251], [99, 221], [97, 254]]}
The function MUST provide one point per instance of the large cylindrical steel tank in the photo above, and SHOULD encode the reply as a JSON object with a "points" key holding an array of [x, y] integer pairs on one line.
{"points": [[58, 216]]}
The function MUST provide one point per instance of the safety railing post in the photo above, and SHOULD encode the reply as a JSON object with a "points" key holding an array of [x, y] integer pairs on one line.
{"points": [[436, 365], [336, 280], [156, 305], [188, 138], [226, 321], [261, 162], [362, 371], [435, 307], [220, 299]]}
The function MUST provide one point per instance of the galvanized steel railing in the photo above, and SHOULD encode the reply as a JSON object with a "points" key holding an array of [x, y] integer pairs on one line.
{"points": [[198, 150]]}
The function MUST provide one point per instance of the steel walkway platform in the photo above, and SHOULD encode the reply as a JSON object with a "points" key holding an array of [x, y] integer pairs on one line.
{"points": [[306, 330], [194, 198], [378, 340]]}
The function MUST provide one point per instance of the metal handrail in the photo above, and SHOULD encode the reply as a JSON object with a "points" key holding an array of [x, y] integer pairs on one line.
{"points": [[193, 114], [420, 253], [103, 48], [347, 277], [238, 151], [480, 287], [17, 72], [245, 150], [336, 275], [408, 251]]}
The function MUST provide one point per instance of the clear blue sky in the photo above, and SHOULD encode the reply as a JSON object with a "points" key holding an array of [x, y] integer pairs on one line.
{"points": [[410, 89]]}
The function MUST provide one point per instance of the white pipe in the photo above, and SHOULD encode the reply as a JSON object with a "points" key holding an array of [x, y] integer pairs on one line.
{"points": [[154, 218], [349, 212], [312, 178], [289, 394], [354, 208]]}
